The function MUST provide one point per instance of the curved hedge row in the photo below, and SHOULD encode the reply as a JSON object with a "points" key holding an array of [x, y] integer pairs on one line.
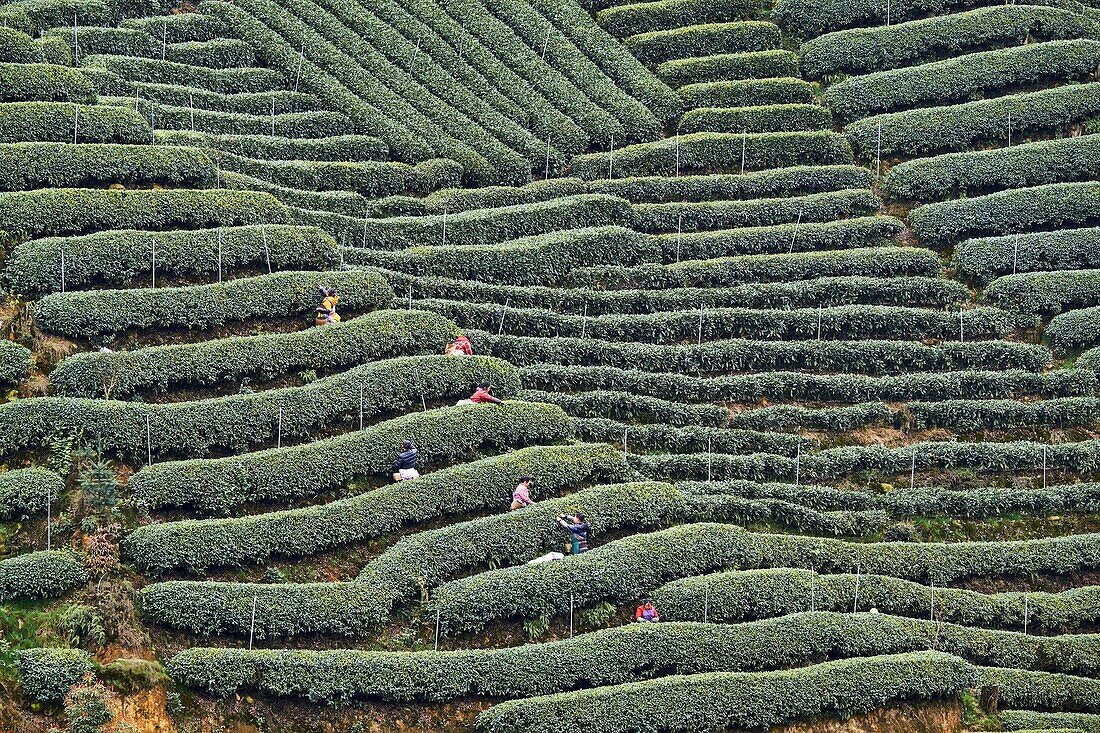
{"points": [[89, 313], [776, 68], [375, 335], [369, 178], [483, 484], [674, 327], [542, 259], [413, 563], [936, 292], [706, 39], [44, 83], [15, 361], [1075, 498], [1027, 720], [757, 118], [880, 262], [688, 439], [308, 124], [738, 355], [756, 594], [1075, 329], [722, 700], [253, 420], [815, 387], [810, 18], [42, 574], [861, 50], [988, 258], [55, 122], [837, 463], [738, 93], [337, 149], [64, 165], [117, 257], [816, 207], [632, 567], [25, 491], [625, 406], [486, 226], [865, 231], [634, 18], [55, 211], [802, 179], [1056, 205], [305, 470], [716, 151], [958, 78], [1046, 292], [967, 174], [962, 126], [223, 81], [599, 658]]}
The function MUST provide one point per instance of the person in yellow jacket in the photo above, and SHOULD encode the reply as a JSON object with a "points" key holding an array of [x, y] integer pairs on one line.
{"points": [[326, 312]]}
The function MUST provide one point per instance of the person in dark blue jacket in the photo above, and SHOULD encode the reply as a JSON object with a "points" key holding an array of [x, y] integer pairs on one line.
{"points": [[404, 466], [578, 529]]}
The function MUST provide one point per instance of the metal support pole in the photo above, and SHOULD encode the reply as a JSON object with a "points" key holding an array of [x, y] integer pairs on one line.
{"points": [[913, 471], [794, 234], [878, 155], [962, 336], [272, 115], [611, 158], [813, 590], [153, 261], [49, 516], [444, 243], [706, 602], [252, 626], [624, 442], [710, 460], [819, 322], [546, 39], [500, 328], [191, 108], [76, 121], [410, 297], [797, 464], [437, 618], [267, 250], [570, 615], [63, 269], [361, 388], [932, 603], [220, 233], [546, 173], [164, 42], [148, 441], [699, 341], [744, 148], [855, 601], [76, 43], [1025, 613], [679, 231], [677, 152], [1044, 466], [279, 429], [584, 320], [1015, 252], [298, 74]]}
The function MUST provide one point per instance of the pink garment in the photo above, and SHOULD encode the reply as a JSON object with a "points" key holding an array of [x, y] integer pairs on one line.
{"points": [[522, 495]]}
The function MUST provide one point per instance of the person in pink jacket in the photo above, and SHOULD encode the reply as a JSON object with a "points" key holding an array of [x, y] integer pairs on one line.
{"points": [[521, 495]]}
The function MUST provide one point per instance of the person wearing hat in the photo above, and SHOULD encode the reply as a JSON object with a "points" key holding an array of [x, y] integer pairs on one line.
{"points": [[404, 466]]}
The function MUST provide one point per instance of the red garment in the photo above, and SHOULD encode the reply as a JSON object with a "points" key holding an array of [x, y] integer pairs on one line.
{"points": [[482, 395], [647, 612], [463, 345]]}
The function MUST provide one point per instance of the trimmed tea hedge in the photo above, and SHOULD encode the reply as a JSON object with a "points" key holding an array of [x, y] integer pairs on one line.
{"points": [[44, 83], [310, 124], [738, 355], [64, 165], [721, 700], [958, 78], [49, 672], [632, 567], [967, 174], [724, 93], [815, 387], [757, 118], [716, 151], [643, 17], [543, 259], [721, 187], [305, 470], [88, 313], [727, 271], [375, 335], [810, 18], [1046, 292], [24, 491], [336, 149], [223, 81], [988, 258], [707, 39], [54, 211], [484, 484], [755, 594], [15, 361], [55, 122], [962, 126], [117, 257], [625, 406], [1027, 720], [816, 207], [728, 67], [253, 420], [862, 50], [42, 574], [690, 438], [1057, 205], [486, 226], [455, 200], [1075, 329], [825, 291], [372, 179]]}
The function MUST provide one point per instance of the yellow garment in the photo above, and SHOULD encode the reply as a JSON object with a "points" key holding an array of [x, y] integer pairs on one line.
{"points": [[330, 301]]}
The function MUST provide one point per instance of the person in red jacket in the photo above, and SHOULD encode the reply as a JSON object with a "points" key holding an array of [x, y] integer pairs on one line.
{"points": [[461, 346], [483, 394], [647, 614]]}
